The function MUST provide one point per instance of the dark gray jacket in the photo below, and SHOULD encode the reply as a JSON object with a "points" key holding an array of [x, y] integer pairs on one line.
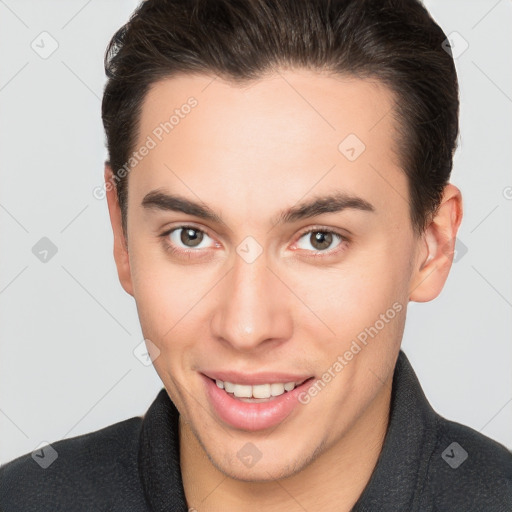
{"points": [[427, 464]]}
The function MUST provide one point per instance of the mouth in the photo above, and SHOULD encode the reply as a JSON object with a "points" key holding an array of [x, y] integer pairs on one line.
{"points": [[257, 393], [253, 407]]}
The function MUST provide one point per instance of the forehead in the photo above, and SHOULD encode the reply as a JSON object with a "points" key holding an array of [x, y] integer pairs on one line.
{"points": [[290, 104], [279, 136]]}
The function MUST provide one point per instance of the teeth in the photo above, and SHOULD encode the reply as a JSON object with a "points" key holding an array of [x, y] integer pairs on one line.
{"points": [[242, 391], [261, 391], [277, 389], [258, 390], [230, 388]]}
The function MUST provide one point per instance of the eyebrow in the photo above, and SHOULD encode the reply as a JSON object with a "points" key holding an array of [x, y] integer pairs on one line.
{"points": [[337, 202]]}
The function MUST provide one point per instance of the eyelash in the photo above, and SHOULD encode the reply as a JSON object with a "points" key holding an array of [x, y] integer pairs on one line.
{"points": [[319, 229]]}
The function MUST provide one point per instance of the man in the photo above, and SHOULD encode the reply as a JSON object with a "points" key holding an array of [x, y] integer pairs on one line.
{"points": [[278, 188]]}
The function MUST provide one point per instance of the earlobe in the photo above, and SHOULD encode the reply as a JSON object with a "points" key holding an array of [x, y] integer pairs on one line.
{"points": [[121, 255], [436, 248]]}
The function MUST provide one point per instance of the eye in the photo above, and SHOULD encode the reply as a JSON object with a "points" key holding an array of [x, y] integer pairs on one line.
{"points": [[187, 237], [319, 240]]}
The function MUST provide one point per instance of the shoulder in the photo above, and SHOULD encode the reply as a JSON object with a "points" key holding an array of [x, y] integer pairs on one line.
{"points": [[77, 473], [468, 470]]}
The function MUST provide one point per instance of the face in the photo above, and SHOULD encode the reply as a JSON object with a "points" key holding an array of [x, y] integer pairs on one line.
{"points": [[258, 285]]}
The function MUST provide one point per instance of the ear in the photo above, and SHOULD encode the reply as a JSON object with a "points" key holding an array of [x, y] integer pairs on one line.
{"points": [[436, 248], [121, 255]]}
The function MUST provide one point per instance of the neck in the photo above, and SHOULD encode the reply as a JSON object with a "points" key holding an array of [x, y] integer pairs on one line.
{"points": [[333, 481]]}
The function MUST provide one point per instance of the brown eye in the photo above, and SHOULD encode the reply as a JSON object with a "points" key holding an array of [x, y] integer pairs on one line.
{"points": [[319, 240], [191, 237], [188, 237]]}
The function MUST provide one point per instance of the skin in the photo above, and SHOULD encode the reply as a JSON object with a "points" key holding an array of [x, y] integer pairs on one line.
{"points": [[249, 152]]}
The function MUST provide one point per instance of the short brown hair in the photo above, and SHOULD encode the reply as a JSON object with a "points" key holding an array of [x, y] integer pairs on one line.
{"points": [[394, 41]]}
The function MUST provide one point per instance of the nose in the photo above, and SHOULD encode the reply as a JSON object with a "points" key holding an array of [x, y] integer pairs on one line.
{"points": [[253, 309]]}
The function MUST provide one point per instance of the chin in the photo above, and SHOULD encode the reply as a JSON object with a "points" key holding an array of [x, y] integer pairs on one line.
{"points": [[275, 466], [260, 472]]}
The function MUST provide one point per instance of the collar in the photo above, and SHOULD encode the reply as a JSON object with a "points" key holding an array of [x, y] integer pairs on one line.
{"points": [[395, 483], [397, 480]]}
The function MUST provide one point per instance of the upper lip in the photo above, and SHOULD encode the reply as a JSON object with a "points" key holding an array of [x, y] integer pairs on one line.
{"points": [[256, 378]]}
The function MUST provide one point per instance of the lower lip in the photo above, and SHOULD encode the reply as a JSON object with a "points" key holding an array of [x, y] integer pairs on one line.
{"points": [[252, 416]]}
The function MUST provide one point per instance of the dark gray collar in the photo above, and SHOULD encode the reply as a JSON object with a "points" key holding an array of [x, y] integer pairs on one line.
{"points": [[395, 483], [401, 470], [159, 457]]}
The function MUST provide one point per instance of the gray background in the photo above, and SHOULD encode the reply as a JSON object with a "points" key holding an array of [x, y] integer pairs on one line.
{"points": [[67, 328]]}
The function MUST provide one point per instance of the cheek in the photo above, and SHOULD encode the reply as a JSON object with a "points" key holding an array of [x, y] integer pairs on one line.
{"points": [[352, 296], [165, 301], [348, 294], [163, 292]]}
